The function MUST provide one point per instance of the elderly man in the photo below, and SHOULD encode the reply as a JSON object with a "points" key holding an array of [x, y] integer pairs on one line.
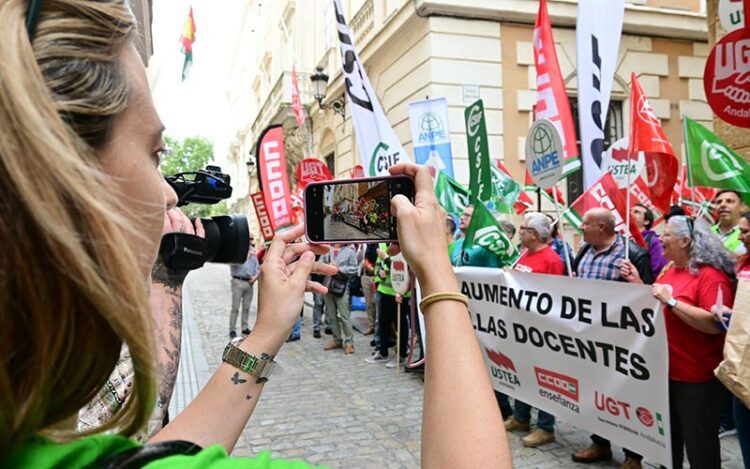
{"points": [[540, 258], [729, 207], [600, 258]]}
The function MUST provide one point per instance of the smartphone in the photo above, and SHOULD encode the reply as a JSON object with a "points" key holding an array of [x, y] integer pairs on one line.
{"points": [[354, 210]]}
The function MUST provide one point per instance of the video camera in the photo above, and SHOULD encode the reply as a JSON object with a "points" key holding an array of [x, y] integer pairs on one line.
{"points": [[227, 238]]}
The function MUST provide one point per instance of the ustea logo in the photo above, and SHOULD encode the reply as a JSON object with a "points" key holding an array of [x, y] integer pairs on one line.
{"points": [[503, 368]]}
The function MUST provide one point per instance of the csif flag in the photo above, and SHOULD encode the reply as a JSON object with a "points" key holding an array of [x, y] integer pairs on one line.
{"points": [[711, 162], [451, 195], [646, 135], [378, 145], [606, 194], [484, 231], [551, 100], [187, 39], [480, 178], [524, 202]]}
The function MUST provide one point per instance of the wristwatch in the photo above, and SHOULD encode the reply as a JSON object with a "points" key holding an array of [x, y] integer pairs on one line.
{"points": [[259, 367], [671, 302]]}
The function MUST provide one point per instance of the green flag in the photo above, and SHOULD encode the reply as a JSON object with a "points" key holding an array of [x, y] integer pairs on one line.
{"points": [[480, 178], [711, 163], [484, 231], [505, 191], [451, 195]]}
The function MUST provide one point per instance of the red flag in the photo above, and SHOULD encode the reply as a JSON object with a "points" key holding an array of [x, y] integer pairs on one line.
{"points": [[524, 202], [551, 100], [358, 171], [273, 177], [299, 111], [312, 170], [604, 193], [639, 194], [684, 195], [646, 135]]}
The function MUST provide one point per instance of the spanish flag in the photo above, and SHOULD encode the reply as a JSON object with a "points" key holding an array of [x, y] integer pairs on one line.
{"points": [[187, 40]]}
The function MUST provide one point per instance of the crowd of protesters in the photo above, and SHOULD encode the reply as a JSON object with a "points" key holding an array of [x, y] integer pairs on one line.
{"points": [[686, 260]]}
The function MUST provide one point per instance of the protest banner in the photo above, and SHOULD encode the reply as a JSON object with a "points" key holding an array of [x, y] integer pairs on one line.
{"points": [[591, 352], [274, 180], [263, 219], [430, 134], [725, 78], [378, 145], [297, 108], [621, 165], [312, 170]]}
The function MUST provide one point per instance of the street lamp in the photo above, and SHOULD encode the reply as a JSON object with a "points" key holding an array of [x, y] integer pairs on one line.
{"points": [[320, 87], [250, 163]]}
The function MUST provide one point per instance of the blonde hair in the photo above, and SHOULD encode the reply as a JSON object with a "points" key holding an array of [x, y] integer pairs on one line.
{"points": [[71, 288]]}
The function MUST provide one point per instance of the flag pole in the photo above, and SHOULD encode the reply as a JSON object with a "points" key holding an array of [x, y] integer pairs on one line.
{"points": [[562, 231], [687, 159], [627, 209]]}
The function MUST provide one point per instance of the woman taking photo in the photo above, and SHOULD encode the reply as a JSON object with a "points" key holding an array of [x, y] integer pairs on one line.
{"points": [[702, 271], [83, 206]]}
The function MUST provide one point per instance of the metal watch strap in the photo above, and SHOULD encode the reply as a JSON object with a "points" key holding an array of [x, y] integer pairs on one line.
{"points": [[243, 361]]}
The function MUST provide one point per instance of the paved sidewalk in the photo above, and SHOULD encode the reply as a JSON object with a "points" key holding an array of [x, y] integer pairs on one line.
{"points": [[332, 409]]}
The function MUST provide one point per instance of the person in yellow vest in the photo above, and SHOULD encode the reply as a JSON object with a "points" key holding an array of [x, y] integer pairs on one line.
{"points": [[389, 300], [729, 206]]}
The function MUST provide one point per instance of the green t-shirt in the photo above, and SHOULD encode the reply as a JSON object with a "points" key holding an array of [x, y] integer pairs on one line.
{"points": [[40, 453]]}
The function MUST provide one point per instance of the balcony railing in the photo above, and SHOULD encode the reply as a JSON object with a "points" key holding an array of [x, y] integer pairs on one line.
{"points": [[363, 22]]}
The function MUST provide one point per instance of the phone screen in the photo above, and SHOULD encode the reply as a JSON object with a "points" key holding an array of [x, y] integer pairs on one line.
{"points": [[355, 210]]}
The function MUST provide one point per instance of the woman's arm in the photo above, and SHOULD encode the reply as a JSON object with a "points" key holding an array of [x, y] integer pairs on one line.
{"points": [[461, 422], [698, 318], [219, 413]]}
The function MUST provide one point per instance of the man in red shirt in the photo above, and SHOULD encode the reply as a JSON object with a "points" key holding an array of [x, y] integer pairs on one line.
{"points": [[538, 257]]}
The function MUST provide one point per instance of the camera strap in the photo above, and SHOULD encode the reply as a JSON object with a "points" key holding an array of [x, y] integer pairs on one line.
{"points": [[182, 252]]}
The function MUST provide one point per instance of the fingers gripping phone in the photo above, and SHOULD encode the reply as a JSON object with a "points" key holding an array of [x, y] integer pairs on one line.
{"points": [[354, 210]]}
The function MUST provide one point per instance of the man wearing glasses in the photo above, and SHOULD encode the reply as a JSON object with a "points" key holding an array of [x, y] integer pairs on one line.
{"points": [[243, 278]]}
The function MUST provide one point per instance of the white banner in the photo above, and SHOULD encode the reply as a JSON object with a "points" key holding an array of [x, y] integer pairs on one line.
{"points": [[430, 134], [378, 145], [598, 31], [591, 352]]}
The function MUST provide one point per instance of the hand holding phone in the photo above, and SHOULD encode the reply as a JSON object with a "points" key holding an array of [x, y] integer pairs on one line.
{"points": [[354, 210]]}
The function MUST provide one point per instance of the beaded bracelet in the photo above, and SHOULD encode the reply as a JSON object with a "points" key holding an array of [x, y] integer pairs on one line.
{"points": [[440, 296]]}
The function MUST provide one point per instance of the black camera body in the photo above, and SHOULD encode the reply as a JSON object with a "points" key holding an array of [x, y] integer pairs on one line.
{"points": [[227, 237]]}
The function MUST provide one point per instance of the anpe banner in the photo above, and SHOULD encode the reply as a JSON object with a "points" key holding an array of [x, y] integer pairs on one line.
{"points": [[312, 170], [263, 219], [598, 31], [480, 178], [591, 352], [551, 99], [431, 135], [273, 177], [378, 145]]}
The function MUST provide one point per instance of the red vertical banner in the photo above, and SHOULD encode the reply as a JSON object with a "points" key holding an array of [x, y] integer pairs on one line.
{"points": [[299, 111], [263, 219], [273, 177]]}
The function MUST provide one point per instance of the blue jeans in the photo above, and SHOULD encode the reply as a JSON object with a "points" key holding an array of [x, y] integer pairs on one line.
{"points": [[297, 329], [742, 421], [544, 420]]}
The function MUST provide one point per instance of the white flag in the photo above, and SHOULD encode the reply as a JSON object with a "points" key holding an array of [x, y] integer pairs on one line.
{"points": [[598, 32], [378, 145]]}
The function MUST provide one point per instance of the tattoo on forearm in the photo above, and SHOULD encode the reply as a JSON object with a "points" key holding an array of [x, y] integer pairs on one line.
{"points": [[236, 378], [162, 274], [172, 353]]}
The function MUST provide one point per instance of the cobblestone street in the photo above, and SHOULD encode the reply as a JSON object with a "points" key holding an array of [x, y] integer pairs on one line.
{"points": [[333, 409]]}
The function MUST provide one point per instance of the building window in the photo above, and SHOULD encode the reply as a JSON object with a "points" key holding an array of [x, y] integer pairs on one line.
{"points": [[331, 163], [613, 131]]}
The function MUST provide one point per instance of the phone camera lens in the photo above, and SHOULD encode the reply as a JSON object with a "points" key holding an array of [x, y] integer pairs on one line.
{"points": [[398, 186]]}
